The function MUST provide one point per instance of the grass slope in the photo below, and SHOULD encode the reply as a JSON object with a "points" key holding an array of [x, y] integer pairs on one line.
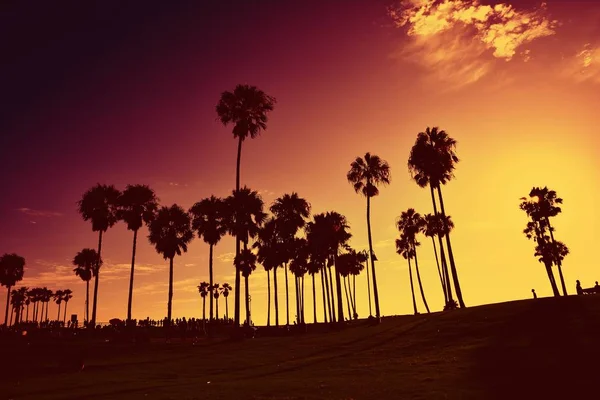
{"points": [[545, 348]]}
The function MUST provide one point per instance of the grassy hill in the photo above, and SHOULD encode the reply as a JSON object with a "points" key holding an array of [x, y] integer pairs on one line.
{"points": [[536, 349]]}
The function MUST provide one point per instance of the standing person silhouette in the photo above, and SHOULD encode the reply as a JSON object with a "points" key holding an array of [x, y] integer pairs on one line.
{"points": [[534, 294], [578, 287]]}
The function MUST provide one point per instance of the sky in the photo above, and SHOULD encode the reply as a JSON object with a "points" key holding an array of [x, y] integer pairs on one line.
{"points": [[124, 93]]}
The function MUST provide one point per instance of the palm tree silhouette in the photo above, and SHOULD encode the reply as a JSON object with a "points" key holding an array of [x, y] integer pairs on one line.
{"points": [[87, 263], [411, 224], [268, 245], [18, 300], [247, 108], [216, 292], [58, 298], [136, 207], [208, 221], [314, 266], [47, 295], [204, 290], [67, 295], [225, 289], [170, 233], [432, 162], [245, 262], [244, 218], [435, 227], [291, 212], [355, 266], [365, 175], [405, 249], [99, 205], [298, 268], [338, 237], [12, 267]]}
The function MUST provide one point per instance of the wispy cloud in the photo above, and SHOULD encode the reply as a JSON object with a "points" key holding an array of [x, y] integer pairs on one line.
{"points": [[39, 213], [226, 257], [459, 41], [584, 65]]}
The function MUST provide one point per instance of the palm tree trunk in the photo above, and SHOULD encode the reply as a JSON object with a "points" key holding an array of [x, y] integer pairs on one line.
{"points": [[204, 314], [347, 298], [87, 301], [324, 298], [558, 263], [12, 311], [170, 303], [226, 309], [552, 280], [7, 306], [65, 317], [237, 240], [287, 296], [217, 308], [437, 262], [247, 302], [375, 291], [58, 315], [302, 299], [419, 279], [340, 305], [268, 298], [210, 280], [314, 300], [130, 299], [276, 296], [332, 289], [354, 291], [450, 255], [369, 288], [446, 273], [27, 315], [96, 281], [297, 300], [412, 289]]}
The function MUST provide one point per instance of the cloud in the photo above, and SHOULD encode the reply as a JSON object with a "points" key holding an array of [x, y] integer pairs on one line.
{"points": [[584, 65], [459, 41], [226, 257], [38, 213]]}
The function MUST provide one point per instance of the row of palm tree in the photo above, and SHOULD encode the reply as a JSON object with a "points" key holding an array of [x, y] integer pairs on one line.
{"points": [[540, 206], [215, 290]]}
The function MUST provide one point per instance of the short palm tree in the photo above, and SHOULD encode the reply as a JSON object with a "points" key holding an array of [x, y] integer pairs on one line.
{"points": [[18, 298], [12, 268], [337, 236], [137, 206], [58, 299], [225, 290], [245, 262], [216, 293], [405, 249], [247, 108], [291, 212], [67, 295], [87, 263], [431, 163], [435, 227], [100, 206], [299, 268], [208, 221], [170, 233], [204, 290], [366, 174], [410, 224]]}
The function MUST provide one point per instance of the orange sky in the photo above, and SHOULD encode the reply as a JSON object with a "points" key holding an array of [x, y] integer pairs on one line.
{"points": [[523, 108]]}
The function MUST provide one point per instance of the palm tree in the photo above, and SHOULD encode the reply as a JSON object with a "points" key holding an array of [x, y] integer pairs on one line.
{"points": [[18, 300], [216, 292], [354, 267], [546, 208], [291, 212], [47, 295], [411, 224], [87, 264], [58, 298], [244, 218], [405, 249], [67, 295], [208, 221], [431, 163], [298, 268], [204, 290], [170, 233], [12, 267], [337, 237], [99, 205], [225, 289], [318, 235], [247, 108], [136, 207], [314, 266], [365, 175], [245, 262], [435, 227], [269, 254]]}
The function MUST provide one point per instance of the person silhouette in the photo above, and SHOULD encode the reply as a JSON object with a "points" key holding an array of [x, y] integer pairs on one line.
{"points": [[578, 287], [534, 294]]}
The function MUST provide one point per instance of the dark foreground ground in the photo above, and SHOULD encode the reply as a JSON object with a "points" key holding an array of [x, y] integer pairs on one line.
{"points": [[535, 349]]}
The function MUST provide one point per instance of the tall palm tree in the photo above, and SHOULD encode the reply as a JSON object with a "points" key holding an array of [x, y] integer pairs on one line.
{"points": [[67, 295], [18, 298], [247, 108], [99, 205], [245, 262], [208, 221], [435, 227], [366, 174], [431, 163], [216, 292], [547, 201], [291, 212], [12, 267], [170, 233], [137, 206], [405, 249], [244, 218], [225, 289], [204, 290], [87, 264], [58, 299], [411, 224]]}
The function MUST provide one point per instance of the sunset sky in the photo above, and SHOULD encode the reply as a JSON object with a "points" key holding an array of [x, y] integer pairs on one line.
{"points": [[124, 94]]}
